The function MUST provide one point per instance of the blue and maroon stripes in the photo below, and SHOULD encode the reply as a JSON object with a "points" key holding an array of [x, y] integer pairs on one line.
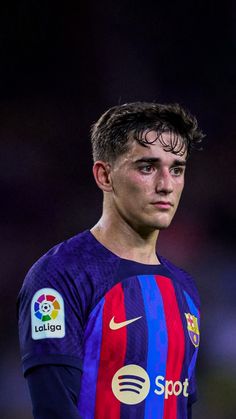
{"points": [[137, 339], [176, 341], [112, 354], [155, 342], [157, 338]]}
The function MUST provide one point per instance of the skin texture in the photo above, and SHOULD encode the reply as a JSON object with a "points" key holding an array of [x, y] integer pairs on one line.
{"points": [[142, 189]]}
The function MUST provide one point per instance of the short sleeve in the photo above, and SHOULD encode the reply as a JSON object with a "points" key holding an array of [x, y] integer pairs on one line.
{"points": [[51, 314]]}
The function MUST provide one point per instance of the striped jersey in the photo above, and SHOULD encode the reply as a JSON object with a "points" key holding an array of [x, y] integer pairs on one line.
{"points": [[133, 329]]}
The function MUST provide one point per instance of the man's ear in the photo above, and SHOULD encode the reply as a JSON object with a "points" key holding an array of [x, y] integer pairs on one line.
{"points": [[101, 173]]}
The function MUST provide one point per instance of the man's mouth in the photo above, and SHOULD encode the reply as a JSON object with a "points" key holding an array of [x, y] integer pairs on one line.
{"points": [[163, 204]]}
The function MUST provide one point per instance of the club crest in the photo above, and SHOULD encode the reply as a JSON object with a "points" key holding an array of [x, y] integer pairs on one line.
{"points": [[193, 330]]}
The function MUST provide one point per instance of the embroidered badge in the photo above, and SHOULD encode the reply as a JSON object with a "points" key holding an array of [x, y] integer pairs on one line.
{"points": [[193, 330], [47, 314]]}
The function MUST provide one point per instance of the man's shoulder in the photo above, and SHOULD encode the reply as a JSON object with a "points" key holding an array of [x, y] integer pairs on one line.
{"points": [[76, 259], [69, 257], [79, 266], [62, 254]]}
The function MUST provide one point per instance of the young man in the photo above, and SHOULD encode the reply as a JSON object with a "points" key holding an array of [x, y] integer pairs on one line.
{"points": [[108, 328]]}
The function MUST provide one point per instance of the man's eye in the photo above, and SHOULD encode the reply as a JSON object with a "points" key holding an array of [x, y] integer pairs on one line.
{"points": [[146, 169], [177, 171]]}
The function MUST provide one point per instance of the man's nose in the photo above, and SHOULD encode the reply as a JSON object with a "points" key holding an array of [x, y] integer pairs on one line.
{"points": [[164, 182]]}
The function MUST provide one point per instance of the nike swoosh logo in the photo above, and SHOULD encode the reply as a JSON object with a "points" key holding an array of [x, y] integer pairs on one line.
{"points": [[115, 326]]}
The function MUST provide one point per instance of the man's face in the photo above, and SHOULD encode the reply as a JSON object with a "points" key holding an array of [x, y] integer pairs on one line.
{"points": [[147, 184]]}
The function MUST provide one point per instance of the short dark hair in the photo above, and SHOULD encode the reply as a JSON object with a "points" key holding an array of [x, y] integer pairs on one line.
{"points": [[110, 135]]}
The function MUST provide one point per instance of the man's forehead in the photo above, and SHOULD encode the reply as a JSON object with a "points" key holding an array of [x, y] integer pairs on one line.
{"points": [[158, 143]]}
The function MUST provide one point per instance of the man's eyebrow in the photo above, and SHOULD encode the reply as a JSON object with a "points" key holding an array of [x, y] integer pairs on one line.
{"points": [[179, 162], [176, 162]]}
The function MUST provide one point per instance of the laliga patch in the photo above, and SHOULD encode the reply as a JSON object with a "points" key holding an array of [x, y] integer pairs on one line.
{"points": [[193, 330], [47, 314]]}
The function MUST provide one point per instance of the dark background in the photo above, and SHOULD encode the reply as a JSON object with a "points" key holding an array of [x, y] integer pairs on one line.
{"points": [[61, 66]]}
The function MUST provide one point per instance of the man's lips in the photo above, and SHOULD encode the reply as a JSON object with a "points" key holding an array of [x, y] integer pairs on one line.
{"points": [[163, 204]]}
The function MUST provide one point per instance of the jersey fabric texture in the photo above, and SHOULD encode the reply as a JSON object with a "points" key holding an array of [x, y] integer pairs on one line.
{"points": [[133, 329]]}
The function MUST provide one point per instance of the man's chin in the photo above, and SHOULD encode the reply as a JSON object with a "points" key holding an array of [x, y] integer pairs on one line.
{"points": [[155, 226], [163, 222], [152, 224]]}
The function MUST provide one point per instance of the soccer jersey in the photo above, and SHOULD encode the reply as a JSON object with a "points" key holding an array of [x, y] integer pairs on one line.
{"points": [[133, 329]]}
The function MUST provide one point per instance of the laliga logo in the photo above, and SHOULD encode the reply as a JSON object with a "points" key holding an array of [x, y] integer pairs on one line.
{"points": [[131, 385], [46, 307], [47, 314]]}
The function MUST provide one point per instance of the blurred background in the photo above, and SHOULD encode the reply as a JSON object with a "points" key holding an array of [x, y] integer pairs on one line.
{"points": [[61, 66]]}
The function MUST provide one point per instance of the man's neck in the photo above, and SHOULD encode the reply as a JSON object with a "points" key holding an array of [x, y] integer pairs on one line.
{"points": [[122, 240]]}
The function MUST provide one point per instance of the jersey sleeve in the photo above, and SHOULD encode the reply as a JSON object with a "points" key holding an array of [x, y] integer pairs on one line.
{"points": [[60, 403], [51, 314]]}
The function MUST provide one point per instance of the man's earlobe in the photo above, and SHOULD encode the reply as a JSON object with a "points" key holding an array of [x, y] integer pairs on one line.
{"points": [[101, 173]]}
